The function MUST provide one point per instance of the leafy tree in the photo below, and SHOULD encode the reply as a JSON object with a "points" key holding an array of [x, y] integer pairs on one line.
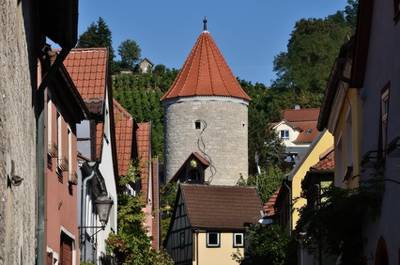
{"points": [[351, 11], [168, 195], [159, 69], [97, 35], [267, 182], [268, 245], [131, 245], [311, 51], [263, 141], [326, 228], [140, 94], [129, 51]]}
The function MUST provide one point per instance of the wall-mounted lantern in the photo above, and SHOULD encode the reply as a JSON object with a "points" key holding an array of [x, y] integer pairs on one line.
{"points": [[103, 207]]}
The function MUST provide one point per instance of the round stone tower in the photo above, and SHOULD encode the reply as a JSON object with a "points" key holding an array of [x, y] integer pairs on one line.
{"points": [[206, 112]]}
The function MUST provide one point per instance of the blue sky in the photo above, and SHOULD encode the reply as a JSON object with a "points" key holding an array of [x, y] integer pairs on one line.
{"points": [[249, 33]]}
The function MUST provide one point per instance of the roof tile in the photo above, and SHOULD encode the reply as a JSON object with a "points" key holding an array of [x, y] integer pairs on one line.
{"points": [[305, 120], [326, 162], [269, 206], [124, 129], [224, 207], [88, 70], [143, 140], [296, 115], [205, 73]]}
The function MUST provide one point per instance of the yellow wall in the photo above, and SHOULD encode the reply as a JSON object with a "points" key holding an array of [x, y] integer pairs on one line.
{"points": [[351, 103], [316, 149], [215, 256]]}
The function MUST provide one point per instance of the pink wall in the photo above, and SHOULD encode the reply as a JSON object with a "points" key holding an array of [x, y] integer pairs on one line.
{"points": [[61, 196]]}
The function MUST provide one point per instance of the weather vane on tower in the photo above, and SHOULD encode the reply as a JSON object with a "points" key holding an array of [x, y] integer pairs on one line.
{"points": [[205, 24]]}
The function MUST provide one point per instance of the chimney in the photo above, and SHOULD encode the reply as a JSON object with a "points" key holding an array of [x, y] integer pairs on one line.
{"points": [[297, 107]]}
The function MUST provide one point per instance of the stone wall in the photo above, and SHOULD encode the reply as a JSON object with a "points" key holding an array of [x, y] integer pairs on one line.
{"points": [[225, 137], [17, 135]]}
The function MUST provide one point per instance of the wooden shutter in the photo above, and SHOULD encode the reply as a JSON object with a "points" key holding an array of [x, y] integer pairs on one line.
{"points": [[49, 259], [66, 250]]}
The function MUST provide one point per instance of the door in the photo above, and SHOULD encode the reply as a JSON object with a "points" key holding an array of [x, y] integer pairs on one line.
{"points": [[381, 256]]}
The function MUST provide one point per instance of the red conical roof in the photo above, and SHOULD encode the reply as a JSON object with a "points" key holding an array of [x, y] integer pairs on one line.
{"points": [[205, 73]]}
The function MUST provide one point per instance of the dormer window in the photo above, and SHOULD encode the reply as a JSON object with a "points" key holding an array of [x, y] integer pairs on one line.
{"points": [[284, 134]]}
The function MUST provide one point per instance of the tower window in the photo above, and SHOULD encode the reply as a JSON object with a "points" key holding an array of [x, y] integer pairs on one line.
{"points": [[197, 125]]}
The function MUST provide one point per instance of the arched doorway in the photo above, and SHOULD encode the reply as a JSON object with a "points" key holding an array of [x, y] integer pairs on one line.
{"points": [[381, 255]]}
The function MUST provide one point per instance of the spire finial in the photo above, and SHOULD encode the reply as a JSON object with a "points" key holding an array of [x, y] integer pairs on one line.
{"points": [[205, 24]]}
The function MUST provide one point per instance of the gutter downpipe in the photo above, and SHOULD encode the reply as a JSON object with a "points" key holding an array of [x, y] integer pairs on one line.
{"points": [[197, 246], [41, 153], [290, 206], [83, 212]]}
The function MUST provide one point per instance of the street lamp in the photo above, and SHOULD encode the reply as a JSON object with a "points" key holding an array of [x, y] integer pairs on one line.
{"points": [[103, 207]]}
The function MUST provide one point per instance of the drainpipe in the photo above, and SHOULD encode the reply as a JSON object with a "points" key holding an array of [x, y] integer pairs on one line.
{"points": [[83, 210], [290, 206], [41, 151], [197, 246]]}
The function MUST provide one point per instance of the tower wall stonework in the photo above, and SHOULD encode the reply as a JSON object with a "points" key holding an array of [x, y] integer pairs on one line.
{"points": [[225, 137]]}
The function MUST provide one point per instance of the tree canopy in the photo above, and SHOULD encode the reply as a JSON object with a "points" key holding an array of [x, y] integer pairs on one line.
{"points": [[312, 49], [96, 35], [130, 52], [140, 94], [131, 245]]}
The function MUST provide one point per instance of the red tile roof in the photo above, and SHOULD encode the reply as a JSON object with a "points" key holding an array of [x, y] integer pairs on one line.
{"points": [[308, 131], [88, 69], [143, 140], [205, 73], [269, 206], [304, 120], [296, 115], [221, 207], [124, 126], [326, 161]]}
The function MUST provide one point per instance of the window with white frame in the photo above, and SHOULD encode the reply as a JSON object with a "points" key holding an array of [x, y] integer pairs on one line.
{"points": [[284, 134], [83, 138], [49, 123], [213, 240], [70, 170], [238, 239], [59, 139]]}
